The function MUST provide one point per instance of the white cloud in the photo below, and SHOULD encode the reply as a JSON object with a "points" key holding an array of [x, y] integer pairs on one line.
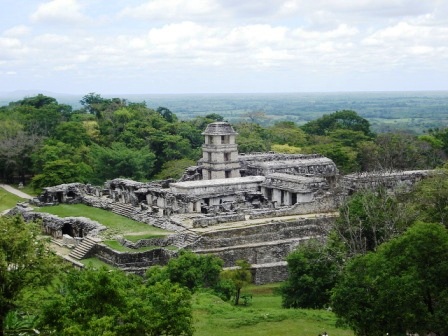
{"points": [[60, 12], [171, 9], [17, 31]]}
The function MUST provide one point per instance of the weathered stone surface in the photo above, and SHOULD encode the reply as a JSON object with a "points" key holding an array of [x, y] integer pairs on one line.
{"points": [[212, 195]]}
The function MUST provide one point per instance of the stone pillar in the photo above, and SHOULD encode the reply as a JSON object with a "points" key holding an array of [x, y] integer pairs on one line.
{"points": [[277, 196]]}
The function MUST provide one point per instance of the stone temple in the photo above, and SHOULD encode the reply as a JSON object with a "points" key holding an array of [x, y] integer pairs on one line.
{"points": [[258, 207]]}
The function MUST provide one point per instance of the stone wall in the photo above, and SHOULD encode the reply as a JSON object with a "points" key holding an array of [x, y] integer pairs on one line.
{"points": [[323, 204], [269, 273], [157, 256], [261, 244], [215, 220], [57, 226]]}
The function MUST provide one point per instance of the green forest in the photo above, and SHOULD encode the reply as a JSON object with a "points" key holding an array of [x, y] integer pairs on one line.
{"points": [[383, 268], [44, 143]]}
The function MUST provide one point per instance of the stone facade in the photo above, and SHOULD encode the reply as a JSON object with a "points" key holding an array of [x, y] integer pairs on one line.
{"points": [[258, 207]]}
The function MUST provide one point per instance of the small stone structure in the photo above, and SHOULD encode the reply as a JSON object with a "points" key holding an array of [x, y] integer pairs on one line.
{"points": [[256, 207]]}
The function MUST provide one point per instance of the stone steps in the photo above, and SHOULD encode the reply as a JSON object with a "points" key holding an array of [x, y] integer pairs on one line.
{"points": [[186, 239], [80, 251]]}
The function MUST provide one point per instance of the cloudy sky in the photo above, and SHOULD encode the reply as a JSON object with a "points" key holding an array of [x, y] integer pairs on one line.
{"points": [[206, 46]]}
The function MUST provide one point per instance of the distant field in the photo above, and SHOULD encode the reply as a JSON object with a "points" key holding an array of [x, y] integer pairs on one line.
{"points": [[116, 224], [8, 200], [263, 317], [416, 111]]}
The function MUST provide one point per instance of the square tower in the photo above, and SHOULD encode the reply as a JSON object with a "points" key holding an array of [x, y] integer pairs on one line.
{"points": [[220, 152]]}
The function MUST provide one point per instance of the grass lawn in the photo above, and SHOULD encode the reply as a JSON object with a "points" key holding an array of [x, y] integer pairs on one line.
{"points": [[264, 316], [96, 263], [8, 200], [116, 224], [27, 189]]}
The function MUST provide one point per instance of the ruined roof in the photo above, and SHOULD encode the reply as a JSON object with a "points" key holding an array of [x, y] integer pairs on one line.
{"points": [[219, 128], [295, 178], [219, 182], [294, 162]]}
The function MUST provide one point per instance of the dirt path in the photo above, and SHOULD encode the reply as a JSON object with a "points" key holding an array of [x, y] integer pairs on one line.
{"points": [[15, 191]]}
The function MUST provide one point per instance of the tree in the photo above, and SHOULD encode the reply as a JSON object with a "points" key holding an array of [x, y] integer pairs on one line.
{"points": [[312, 273], [190, 270], [101, 302], [400, 151], [16, 147], [61, 171], [174, 169], [120, 161], [288, 133], [430, 198], [401, 288], [345, 119], [26, 262], [239, 277], [371, 217]]}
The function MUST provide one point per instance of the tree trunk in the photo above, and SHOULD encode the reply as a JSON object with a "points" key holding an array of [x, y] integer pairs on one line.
{"points": [[237, 297]]}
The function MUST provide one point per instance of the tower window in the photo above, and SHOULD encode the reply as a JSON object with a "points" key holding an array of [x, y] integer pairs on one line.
{"points": [[226, 157], [225, 139], [228, 173]]}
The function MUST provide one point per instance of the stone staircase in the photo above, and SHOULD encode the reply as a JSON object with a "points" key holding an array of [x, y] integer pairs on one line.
{"points": [[123, 209], [186, 239], [81, 251]]}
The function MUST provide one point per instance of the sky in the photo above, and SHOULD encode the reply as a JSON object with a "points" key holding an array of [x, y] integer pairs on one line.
{"points": [[223, 46]]}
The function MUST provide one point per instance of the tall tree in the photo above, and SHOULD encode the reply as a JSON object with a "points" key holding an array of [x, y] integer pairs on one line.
{"points": [[239, 277], [371, 217], [402, 288], [312, 273], [26, 262], [101, 302], [345, 119]]}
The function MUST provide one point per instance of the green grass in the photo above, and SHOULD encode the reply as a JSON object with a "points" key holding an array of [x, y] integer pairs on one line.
{"points": [[118, 247], [96, 263], [136, 238], [116, 224], [264, 316], [8, 200], [27, 189]]}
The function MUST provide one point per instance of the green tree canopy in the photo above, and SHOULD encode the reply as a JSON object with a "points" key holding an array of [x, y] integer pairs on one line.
{"points": [[102, 302], [312, 273], [401, 288], [26, 262], [345, 119], [239, 277]]}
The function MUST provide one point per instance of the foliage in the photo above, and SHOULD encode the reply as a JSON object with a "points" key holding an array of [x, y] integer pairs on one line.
{"points": [[25, 262], [59, 172], [174, 169], [288, 133], [400, 151], [312, 273], [190, 270], [431, 198], [345, 119], [287, 149], [371, 217], [252, 138], [239, 277], [401, 288], [121, 161], [123, 306]]}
